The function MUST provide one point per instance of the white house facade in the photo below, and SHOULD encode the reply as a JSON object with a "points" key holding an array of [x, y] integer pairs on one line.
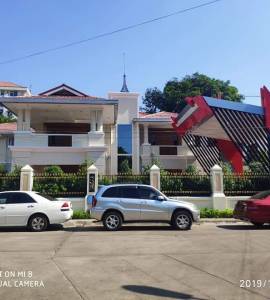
{"points": [[65, 127]]}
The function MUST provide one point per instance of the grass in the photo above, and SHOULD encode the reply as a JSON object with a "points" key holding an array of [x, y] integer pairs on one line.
{"points": [[216, 213], [81, 214]]}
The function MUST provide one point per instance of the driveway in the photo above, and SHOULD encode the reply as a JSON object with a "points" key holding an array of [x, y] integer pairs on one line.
{"points": [[138, 262]]}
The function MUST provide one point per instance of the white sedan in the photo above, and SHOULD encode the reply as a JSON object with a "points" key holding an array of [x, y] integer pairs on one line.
{"points": [[33, 210]]}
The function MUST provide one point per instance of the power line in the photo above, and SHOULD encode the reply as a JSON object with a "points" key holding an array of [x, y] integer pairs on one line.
{"points": [[107, 33]]}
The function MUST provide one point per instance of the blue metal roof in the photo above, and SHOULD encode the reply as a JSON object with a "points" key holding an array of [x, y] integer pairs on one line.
{"points": [[248, 108]]}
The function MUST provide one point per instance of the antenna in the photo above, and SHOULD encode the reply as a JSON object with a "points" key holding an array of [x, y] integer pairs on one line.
{"points": [[124, 86], [124, 62]]}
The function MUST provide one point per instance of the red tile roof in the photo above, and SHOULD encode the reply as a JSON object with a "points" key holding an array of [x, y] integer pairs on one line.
{"points": [[158, 115], [8, 127], [9, 84]]}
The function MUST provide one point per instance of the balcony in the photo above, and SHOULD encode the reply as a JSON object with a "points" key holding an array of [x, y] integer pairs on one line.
{"points": [[165, 151], [27, 139]]}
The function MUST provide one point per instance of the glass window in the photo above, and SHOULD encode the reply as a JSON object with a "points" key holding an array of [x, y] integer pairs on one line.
{"points": [[111, 193], [124, 164], [129, 192], [124, 139], [3, 198], [18, 198], [13, 93], [60, 141], [148, 193]]}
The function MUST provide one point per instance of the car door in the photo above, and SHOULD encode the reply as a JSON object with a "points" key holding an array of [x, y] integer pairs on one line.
{"points": [[151, 207], [3, 211], [20, 206], [130, 202]]}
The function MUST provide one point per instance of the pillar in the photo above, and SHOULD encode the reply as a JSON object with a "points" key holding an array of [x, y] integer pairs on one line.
{"points": [[218, 196], [92, 184], [26, 178], [155, 176]]}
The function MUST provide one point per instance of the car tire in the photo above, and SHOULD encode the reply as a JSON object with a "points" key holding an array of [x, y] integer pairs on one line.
{"points": [[259, 225], [38, 223], [112, 220], [182, 220]]}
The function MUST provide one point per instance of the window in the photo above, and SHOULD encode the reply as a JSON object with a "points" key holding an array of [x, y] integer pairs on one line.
{"points": [[129, 192], [111, 193], [19, 198], [3, 198], [13, 93], [60, 141], [2, 93], [124, 148], [148, 193]]}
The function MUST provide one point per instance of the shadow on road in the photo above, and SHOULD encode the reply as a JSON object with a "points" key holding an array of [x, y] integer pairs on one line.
{"points": [[153, 291], [124, 228], [244, 227], [54, 227]]}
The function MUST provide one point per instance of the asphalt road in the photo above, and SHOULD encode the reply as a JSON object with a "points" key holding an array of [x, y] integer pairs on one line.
{"points": [[138, 262]]}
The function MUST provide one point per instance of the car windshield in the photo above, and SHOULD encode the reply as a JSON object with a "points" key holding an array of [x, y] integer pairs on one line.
{"points": [[47, 197], [261, 195]]}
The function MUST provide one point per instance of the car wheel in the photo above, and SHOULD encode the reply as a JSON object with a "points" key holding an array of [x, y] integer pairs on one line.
{"points": [[38, 223], [182, 220], [112, 220], [257, 224]]}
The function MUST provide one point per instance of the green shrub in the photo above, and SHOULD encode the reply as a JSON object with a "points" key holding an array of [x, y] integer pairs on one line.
{"points": [[216, 213], [81, 214]]}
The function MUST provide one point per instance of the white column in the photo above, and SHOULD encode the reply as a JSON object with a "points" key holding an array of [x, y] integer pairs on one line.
{"points": [[20, 120], [135, 149], [99, 115], [114, 150], [218, 196], [26, 180], [92, 184], [26, 119], [93, 120], [155, 176], [145, 134]]}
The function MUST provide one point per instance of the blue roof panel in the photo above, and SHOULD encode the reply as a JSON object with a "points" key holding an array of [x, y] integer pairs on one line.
{"points": [[248, 108]]}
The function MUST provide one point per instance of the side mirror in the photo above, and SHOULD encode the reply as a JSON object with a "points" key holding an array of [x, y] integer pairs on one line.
{"points": [[160, 198]]}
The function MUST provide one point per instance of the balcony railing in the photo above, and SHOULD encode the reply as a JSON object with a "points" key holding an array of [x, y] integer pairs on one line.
{"points": [[166, 150], [82, 140]]}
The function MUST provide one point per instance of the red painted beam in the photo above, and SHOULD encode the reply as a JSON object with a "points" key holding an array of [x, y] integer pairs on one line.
{"points": [[265, 98], [231, 153]]}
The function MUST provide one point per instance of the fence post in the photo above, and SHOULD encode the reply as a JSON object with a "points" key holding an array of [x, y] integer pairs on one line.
{"points": [[155, 176], [218, 196], [26, 178], [92, 182]]}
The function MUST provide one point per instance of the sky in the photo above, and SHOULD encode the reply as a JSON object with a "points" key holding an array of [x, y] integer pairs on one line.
{"points": [[228, 40]]}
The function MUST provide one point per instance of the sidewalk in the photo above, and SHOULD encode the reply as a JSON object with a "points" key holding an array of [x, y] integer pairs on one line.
{"points": [[92, 222]]}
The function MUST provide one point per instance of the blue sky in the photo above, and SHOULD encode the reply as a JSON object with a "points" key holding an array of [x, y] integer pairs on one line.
{"points": [[227, 40]]}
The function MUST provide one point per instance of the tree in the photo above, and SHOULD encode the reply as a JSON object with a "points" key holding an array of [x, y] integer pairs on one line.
{"points": [[175, 92], [7, 119]]}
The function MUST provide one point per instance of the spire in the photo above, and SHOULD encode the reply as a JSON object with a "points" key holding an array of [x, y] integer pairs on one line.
{"points": [[124, 88]]}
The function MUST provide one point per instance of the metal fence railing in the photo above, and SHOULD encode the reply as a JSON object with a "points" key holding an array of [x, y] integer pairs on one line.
{"points": [[9, 182], [245, 184], [185, 185], [123, 178], [61, 185]]}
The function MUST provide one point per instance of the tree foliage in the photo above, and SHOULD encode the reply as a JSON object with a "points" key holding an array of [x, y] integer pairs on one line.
{"points": [[175, 91]]}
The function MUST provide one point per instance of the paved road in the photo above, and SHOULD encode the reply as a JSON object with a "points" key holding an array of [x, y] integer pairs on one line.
{"points": [[138, 262]]}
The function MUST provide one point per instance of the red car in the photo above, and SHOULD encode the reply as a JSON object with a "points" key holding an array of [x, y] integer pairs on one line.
{"points": [[255, 210]]}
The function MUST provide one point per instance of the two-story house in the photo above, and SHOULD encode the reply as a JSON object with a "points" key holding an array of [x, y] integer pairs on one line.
{"points": [[63, 126]]}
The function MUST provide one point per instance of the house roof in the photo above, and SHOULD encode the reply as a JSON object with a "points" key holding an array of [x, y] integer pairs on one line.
{"points": [[58, 91], [10, 84], [8, 127], [158, 115]]}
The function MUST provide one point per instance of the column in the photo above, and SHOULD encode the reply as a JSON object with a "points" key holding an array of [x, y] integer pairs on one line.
{"points": [[114, 150], [218, 196], [20, 120], [135, 149], [155, 177], [92, 185], [145, 134], [93, 120], [99, 115], [26, 180]]}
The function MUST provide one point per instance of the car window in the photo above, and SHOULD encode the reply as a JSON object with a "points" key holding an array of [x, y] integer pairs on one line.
{"points": [[111, 193], [148, 193], [17, 198], [261, 195], [3, 198], [129, 192]]}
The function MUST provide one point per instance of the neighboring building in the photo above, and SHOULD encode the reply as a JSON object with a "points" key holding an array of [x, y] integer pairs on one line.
{"points": [[63, 126], [10, 89]]}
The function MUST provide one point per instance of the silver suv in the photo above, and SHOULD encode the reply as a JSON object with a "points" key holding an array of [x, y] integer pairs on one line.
{"points": [[115, 204]]}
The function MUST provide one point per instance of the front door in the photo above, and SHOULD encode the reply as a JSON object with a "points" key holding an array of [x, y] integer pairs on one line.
{"points": [[20, 206], [3, 201], [130, 202], [151, 207]]}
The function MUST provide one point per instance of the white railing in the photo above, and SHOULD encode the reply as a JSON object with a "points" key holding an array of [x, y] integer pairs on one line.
{"points": [[32, 139], [166, 150]]}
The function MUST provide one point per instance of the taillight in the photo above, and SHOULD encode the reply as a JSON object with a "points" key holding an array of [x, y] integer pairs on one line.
{"points": [[65, 206], [94, 201]]}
